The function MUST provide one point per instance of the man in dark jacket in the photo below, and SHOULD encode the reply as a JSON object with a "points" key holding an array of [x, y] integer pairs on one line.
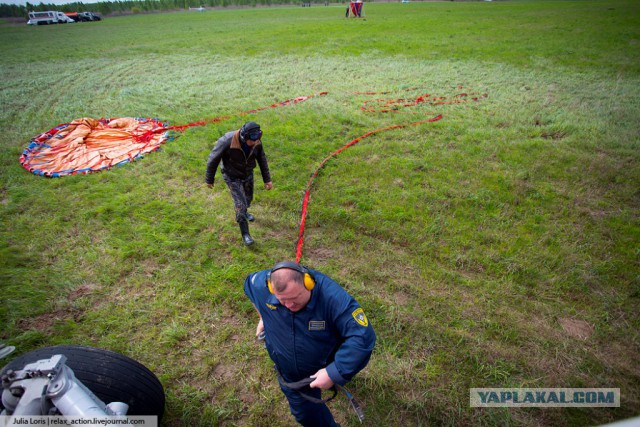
{"points": [[314, 330], [239, 150]]}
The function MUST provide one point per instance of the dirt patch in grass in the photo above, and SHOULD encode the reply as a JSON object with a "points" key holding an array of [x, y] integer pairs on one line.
{"points": [[553, 135], [225, 373], [82, 291], [576, 328], [401, 298], [320, 254], [150, 266], [45, 322]]}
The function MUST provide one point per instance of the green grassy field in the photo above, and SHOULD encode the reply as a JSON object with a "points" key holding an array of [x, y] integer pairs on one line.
{"points": [[497, 247]]}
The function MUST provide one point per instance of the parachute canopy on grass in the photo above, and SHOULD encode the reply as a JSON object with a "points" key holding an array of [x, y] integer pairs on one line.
{"points": [[89, 145]]}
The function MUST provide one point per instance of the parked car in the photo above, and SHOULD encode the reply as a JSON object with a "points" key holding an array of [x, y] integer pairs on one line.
{"points": [[89, 16], [48, 17]]}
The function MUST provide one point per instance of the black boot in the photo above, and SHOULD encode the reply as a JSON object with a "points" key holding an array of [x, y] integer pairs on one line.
{"points": [[244, 229]]}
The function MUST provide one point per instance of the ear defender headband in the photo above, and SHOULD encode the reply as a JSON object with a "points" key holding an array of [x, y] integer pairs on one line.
{"points": [[309, 281]]}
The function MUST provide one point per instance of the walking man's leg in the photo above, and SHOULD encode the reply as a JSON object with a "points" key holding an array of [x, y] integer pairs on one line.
{"points": [[236, 188], [248, 192]]}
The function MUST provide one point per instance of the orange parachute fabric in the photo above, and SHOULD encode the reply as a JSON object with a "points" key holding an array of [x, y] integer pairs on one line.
{"points": [[87, 145]]}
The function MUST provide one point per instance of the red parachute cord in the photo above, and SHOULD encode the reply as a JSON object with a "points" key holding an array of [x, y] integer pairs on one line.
{"points": [[145, 137], [307, 194]]}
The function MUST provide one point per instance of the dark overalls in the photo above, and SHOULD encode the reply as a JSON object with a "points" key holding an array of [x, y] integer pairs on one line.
{"points": [[238, 162]]}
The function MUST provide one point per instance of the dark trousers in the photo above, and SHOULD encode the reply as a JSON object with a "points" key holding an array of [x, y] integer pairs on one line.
{"points": [[242, 195], [307, 413]]}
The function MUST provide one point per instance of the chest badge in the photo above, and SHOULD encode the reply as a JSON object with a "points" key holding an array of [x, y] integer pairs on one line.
{"points": [[317, 325], [360, 317]]}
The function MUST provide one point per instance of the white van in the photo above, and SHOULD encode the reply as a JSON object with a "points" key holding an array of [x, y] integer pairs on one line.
{"points": [[48, 17]]}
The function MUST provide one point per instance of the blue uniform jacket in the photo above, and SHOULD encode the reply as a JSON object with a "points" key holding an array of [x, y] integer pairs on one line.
{"points": [[331, 332]]}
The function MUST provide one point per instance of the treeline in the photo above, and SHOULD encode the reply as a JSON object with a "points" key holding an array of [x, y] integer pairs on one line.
{"points": [[136, 6]]}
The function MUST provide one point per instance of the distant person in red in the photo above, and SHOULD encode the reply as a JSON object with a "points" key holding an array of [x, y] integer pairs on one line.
{"points": [[355, 7]]}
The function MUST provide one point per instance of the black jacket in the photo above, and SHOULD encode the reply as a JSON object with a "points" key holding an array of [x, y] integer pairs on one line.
{"points": [[235, 163]]}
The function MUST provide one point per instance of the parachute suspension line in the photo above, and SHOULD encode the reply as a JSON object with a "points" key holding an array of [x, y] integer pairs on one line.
{"points": [[380, 106], [181, 128], [291, 101], [307, 193]]}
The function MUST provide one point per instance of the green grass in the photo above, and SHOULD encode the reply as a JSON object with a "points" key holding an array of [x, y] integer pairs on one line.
{"points": [[470, 241]]}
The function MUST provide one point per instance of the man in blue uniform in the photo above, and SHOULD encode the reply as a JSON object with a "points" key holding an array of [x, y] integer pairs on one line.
{"points": [[313, 329]]}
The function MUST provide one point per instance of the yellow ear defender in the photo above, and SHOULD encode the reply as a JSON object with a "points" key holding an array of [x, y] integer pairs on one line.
{"points": [[309, 281]]}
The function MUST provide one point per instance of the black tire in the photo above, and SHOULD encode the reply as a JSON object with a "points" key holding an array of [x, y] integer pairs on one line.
{"points": [[109, 375]]}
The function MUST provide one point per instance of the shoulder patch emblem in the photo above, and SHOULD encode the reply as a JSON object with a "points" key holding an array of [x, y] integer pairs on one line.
{"points": [[271, 306], [360, 317]]}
